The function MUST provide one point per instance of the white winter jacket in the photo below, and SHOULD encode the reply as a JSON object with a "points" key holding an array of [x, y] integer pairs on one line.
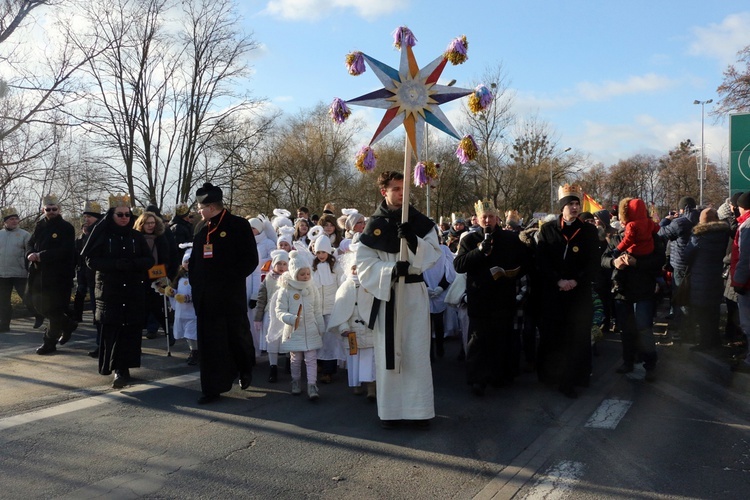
{"points": [[309, 332]]}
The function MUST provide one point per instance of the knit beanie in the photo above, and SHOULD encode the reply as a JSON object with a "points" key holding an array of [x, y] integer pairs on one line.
{"points": [[734, 198], [744, 201], [257, 224], [687, 202], [604, 217], [297, 262], [279, 256]]}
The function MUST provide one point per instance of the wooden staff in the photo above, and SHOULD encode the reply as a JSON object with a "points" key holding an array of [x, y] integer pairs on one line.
{"points": [[403, 256], [299, 315]]}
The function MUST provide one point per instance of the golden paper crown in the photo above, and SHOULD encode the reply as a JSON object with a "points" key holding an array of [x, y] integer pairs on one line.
{"points": [[92, 207], [9, 212], [485, 206], [137, 211], [512, 215], [181, 210], [119, 200], [570, 190], [50, 199], [457, 216]]}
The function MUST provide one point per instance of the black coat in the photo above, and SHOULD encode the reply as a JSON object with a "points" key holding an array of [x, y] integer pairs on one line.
{"points": [[51, 279], [485, 295], [121, 258], [218, 282], [705, 258], [636, 283]]}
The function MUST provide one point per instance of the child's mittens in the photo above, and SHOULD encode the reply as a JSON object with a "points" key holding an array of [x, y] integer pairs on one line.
{"points": [[170, 292], [182, 298]]}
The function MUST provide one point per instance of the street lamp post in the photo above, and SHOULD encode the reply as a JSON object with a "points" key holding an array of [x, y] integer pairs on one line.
{"points": [[552, 184], [702, 167]]}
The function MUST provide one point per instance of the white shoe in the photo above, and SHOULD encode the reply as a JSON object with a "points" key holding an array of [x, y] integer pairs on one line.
{"points": [[296, 390], [312, 392]]}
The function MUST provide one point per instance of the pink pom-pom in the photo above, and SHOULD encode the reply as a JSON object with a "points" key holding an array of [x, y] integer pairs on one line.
{"points": [[467, 150], [339, 111], [404, 36], [366, 159], [355, 63], [420, 175]]}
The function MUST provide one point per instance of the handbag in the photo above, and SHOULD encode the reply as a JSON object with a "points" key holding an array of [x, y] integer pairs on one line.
{"points": [[456, 290]]}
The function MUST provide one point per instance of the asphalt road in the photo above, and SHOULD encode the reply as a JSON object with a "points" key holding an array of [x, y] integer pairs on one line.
{"points": [[65, 433]]}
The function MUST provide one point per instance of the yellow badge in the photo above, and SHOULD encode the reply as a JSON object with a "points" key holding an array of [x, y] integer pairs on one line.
{"points": [[186, 282], [223, 233], [376, 232], [296, 296], [54, 235], [575, 249]]}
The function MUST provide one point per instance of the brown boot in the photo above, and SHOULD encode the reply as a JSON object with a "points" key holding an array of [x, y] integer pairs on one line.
{"points": [[371, 396]]}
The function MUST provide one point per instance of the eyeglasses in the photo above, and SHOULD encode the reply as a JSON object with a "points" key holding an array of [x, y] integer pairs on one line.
{"points": [[52, 209], [123, 215]]}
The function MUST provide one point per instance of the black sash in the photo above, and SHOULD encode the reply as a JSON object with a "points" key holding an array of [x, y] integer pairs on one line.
{"points": [[390, 335]]}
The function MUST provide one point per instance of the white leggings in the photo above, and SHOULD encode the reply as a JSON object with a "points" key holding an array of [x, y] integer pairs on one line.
{"points": [[311, 362]]}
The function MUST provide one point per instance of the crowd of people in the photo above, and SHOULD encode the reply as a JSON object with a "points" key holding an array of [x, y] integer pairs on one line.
{"points": [[377, 295]]}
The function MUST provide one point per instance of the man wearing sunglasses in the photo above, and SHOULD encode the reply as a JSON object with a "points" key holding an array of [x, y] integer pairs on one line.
{"points": [[52, 260]]}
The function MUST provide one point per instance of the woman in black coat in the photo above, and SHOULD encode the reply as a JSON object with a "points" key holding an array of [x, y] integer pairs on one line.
{"points": [[705, 257], [120, 257]]}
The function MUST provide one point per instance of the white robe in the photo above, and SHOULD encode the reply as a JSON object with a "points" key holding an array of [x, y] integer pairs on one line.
{"points": [[406, 392]]}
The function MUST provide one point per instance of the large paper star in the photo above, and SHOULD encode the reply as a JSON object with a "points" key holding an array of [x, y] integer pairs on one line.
{"points": [[410, 96]]}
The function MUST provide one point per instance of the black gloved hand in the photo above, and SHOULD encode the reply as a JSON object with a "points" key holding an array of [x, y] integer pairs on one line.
{"points": [[406, 232], [402, 268], [485, 247], [739, 290], [252, 303]]}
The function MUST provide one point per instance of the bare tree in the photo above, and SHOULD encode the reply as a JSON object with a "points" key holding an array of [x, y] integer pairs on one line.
{"points": [[489, 128], [734, 91]]}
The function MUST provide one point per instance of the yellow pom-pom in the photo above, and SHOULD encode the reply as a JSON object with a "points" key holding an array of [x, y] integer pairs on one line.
{"points": [[431, 169], [180, 298], [169, 291], [474, 104], [469, 148]]}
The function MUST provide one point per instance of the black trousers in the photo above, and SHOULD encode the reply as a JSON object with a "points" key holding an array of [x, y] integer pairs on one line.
{"points": [[6, 288]]}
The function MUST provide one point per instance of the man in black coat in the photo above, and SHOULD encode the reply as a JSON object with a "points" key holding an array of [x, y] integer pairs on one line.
{"points": [[181, 227], [635, 301], [52, 262], [567, 258], [493, 260], [224, 254]]}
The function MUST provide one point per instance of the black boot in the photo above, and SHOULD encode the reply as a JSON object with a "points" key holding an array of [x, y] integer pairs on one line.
{"points": [[273, 375]]}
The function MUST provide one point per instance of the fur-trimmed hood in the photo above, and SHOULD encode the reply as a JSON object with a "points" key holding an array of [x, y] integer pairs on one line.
{"points": [[632, 209], [708, 227]]}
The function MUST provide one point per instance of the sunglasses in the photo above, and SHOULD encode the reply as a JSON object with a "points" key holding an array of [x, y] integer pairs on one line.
{"points": [[54, 209], [123, 215]]}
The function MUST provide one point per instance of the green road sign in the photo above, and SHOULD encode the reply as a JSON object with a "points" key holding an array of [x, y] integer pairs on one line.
{"points": [[739, 143]]}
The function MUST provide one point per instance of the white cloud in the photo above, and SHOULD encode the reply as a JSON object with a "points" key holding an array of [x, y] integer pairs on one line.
{"points": [[311, 10], [721, 41], [634, 85], [609, 143]]}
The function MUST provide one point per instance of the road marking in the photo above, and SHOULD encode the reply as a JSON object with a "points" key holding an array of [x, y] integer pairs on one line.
{"points": [[81, 404], [557, 482], [609, 414]]}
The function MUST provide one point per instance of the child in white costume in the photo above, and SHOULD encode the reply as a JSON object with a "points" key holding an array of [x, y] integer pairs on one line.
{"points": [[326, 277], [263, 311], [350, 314], [181, 299], [265, 241], [298, 306]]}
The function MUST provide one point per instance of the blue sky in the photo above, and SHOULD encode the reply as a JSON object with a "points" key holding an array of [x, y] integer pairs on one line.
{"points": [[612, 79]]}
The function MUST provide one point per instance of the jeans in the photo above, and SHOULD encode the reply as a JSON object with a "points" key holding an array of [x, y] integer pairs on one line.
{"points": [[636, 325]]}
